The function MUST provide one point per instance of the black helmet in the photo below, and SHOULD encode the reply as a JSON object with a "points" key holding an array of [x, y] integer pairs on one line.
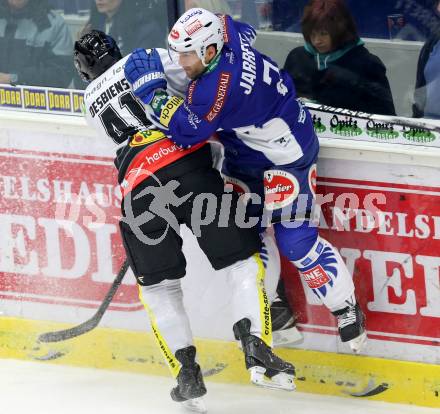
{"points": [[94, 53]]}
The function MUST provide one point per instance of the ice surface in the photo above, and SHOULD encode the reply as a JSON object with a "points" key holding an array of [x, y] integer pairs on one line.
{"points": [[37, 388]]}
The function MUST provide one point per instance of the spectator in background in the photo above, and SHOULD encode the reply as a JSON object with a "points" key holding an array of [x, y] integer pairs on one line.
{"points": [[35, 45], [371, 17], [427, 90], [71, 6], [215, 6], [132, 23], [334, 67], [286, 15]]}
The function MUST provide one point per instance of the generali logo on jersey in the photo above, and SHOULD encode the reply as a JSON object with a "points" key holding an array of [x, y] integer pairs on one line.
{"points": [[393, 253], [60, 240], [190, 92], [222, 91]]}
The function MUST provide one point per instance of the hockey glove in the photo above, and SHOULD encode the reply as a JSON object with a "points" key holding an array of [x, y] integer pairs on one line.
{"points": [[144, 71]]}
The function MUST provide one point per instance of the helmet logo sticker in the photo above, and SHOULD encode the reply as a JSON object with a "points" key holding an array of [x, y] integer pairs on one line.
{"points": [[192, 12], [193, 27], [197, 29]]}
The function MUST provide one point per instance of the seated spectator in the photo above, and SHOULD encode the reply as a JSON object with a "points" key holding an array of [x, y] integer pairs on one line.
{"points": [[70, 6], [427, 90], [35, 45], [131, 23], [334, 67], [215, 6]]}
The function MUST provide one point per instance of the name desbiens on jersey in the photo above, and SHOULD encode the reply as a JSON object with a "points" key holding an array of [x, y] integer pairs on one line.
{"points": [[112, 91]]}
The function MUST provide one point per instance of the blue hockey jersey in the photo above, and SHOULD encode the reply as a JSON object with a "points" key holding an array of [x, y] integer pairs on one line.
{"points": [[251, 101]]}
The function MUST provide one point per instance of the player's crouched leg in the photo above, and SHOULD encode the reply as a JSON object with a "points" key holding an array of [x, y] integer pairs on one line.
{"points": [[324, 271], [283, 319], [236, 249], [253, 327], [171, 327], [154, 251]]}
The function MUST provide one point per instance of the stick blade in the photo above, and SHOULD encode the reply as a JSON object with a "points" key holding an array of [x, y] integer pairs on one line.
{"points": [[64, 334]]}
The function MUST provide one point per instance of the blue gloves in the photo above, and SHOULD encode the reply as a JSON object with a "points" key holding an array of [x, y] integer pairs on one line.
{"points": [[144, 71]]}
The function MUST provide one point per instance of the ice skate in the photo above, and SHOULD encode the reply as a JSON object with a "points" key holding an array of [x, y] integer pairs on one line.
{"points": [[190, 386], [284, 331], [351, 326], [266, 369]]}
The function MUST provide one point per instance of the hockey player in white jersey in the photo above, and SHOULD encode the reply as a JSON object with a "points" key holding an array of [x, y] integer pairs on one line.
{"points": [[148, 162], [269, 139]]}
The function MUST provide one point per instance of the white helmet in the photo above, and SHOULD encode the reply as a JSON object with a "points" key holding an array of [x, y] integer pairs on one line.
{"points": [[195, 30]]}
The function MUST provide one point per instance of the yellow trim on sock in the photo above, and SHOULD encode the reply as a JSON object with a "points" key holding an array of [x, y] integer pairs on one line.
{"points": [[171, 360], [266, 322]]}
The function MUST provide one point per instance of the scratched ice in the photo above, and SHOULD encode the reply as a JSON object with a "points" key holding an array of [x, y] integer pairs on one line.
{"points": [[38, 388]]}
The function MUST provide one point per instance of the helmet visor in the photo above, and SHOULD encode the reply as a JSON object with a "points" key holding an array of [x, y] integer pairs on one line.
{"points": [[184, 59]]}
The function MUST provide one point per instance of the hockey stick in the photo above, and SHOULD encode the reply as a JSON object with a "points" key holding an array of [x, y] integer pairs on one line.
{"points": [[416, 123], [91, 323]]}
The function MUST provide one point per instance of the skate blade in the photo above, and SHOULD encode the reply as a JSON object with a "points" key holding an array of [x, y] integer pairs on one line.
{"points": [[195, 405], [281, 381], [358, 343], [285, 337]]}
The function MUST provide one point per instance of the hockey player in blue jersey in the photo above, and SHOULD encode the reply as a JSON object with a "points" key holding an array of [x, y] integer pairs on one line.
{"points": [[269, 140]]}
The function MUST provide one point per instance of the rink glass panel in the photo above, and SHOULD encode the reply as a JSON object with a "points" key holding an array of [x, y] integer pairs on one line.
{"points": [[71, 18], [394, 31]]}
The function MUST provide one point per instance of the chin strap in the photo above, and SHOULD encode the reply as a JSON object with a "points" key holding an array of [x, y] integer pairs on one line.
{"points": [[211, 65]]}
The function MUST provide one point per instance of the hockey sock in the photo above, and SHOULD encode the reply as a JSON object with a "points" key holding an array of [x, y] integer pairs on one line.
{"points": [[326, 274], [249, 298], [169, 320], [270, 256]]}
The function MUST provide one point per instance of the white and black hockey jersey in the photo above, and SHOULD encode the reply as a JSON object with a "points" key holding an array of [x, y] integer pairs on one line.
{"points": [[114, 111]]}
